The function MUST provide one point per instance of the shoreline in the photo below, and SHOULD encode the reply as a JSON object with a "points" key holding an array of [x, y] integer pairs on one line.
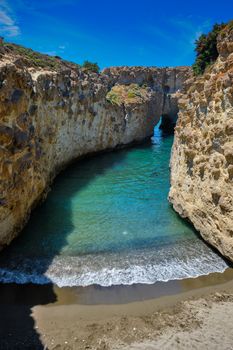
{"points": [[109, 318], [112, 295]]}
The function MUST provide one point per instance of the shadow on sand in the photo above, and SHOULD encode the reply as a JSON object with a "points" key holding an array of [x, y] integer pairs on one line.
{"points": [[17, 326], [52, 219]]}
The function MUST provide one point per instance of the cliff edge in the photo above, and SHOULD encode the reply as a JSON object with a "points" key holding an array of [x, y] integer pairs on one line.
{"points": [[53, 112], [202, 155]]}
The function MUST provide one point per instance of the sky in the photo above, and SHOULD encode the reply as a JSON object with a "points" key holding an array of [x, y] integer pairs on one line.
{"points": [[113, 33]]}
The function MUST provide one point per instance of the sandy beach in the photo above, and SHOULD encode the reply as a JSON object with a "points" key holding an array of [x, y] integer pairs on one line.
{"points": [[116, 175], [192, 313]]}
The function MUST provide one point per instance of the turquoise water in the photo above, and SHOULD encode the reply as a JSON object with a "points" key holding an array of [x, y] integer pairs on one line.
{"points": [[107, 221]]}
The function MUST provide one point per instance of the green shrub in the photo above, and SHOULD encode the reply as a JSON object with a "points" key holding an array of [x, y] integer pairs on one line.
{"points": [[114, 97], [120, 94], [131, 94], [135, 91], [37, 59], [206, 49], [91, 67]]}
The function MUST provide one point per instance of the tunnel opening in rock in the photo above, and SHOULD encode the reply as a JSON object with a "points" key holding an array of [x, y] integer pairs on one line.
{"points": [[167, 123], [166, 89], [106, 206]]}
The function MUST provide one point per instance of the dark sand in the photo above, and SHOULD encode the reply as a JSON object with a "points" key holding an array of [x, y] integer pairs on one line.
{"points": [[127, 317]]}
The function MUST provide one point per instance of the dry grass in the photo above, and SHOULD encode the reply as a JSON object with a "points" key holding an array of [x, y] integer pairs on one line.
{"points": [[121, 94]]}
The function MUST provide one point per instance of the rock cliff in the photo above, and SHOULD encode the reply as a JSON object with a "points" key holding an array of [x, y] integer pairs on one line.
{"points": [[52, 112], [202, 156]]}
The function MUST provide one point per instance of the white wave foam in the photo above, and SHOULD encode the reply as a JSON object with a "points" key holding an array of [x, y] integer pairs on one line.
{"points": [[141, 266]]}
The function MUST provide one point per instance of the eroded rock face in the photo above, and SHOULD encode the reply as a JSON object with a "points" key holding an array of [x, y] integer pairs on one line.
{"points": [[50, 117], [202, 156]]}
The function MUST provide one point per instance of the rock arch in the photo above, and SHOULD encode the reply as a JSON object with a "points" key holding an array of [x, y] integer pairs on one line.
{"points": [[61, 115]]}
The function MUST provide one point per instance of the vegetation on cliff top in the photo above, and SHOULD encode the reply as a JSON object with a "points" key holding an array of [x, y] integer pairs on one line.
{"points": [[34, 58], [37, 59], [91, 67], [206, 49], [132, 93]]}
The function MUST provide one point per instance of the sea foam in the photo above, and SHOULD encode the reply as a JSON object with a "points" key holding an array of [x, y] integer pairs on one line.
{"points": [[137, 266]]}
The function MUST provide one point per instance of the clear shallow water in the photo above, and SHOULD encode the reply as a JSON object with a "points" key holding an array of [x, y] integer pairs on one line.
{"points": [[107, 221]]}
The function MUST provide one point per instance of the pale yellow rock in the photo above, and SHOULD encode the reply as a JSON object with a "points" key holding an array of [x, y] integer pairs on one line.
{"points": [[202, 154], [50, 117]]}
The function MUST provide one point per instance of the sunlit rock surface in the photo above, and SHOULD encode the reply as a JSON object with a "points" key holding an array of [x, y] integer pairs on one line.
{"points": [[52, 112], [202, 157]]}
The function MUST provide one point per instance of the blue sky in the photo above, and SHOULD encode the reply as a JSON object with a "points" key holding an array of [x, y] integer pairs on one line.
{"points": [[149, 33]]}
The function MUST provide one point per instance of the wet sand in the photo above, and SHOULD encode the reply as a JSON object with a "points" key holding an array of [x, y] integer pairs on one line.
{"points": [[127, 317]]}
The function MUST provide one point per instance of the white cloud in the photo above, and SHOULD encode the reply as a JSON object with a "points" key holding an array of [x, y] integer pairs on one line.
{"points": [[8, 25], [5, 19]]}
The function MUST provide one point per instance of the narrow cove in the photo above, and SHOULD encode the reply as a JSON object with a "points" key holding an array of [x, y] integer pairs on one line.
{"points": [[107, 222]]}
